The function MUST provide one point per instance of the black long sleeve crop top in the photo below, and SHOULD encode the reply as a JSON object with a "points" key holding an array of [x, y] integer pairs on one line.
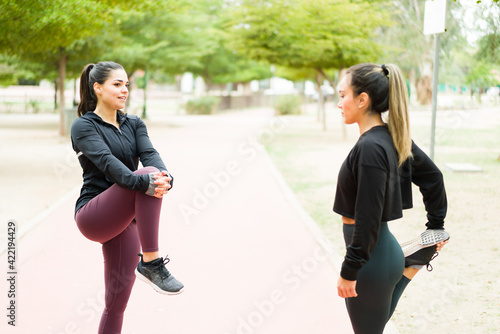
{"points": [[371, 188], [109, 155]]}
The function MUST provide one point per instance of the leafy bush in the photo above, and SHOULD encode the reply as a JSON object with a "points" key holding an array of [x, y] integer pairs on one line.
{"points": [[288, 104], [35, 106], [204, 105]]}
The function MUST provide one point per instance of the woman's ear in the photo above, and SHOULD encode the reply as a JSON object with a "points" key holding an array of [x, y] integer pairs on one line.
{"points": [[363, 100], [97, 88]]}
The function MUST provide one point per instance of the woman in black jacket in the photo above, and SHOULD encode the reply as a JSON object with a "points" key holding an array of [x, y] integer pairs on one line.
{"points": [[119, 205], [374, 186]]}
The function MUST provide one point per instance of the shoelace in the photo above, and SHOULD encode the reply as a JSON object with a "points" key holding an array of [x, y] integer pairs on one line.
{"points": [[429, 264], [163, 270]]}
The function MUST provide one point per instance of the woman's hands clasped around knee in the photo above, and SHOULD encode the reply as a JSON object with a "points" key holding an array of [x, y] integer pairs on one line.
{"points": [[162, 181]]}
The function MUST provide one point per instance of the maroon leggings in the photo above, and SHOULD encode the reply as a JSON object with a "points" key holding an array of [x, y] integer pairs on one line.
{"points": [[108, 219]]}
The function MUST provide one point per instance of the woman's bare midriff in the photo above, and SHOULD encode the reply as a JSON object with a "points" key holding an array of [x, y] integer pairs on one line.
{"points": [[348, 221]]}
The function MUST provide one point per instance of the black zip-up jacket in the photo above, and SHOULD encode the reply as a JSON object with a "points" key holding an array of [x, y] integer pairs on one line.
{"points": [[109, 155], [371, 189]]}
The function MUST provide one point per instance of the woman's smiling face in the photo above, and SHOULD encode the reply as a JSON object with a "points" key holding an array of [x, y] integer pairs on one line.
{"points": [[114, 91]]}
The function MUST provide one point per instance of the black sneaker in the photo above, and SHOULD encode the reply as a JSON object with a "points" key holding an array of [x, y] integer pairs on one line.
{"points": [[426, 239], [155, 274], [422, 258]]}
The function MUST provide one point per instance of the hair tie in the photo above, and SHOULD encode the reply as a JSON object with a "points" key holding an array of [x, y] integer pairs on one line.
{"points": [[386, 71], [90, 84]]}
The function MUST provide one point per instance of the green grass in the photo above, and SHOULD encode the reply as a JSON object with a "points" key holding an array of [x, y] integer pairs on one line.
{"points": [[464, 138]]}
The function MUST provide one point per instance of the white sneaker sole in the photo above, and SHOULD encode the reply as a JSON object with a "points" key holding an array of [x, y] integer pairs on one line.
{"points": [[154, 286], [427, 238]]}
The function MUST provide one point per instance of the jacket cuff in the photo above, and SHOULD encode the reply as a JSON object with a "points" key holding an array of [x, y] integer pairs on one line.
{"points": [[435, 225], [348, 272], [152, 186], [171, 181]]}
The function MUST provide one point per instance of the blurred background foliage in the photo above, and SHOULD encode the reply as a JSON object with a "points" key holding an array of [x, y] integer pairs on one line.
{"points": [[230, 41]]}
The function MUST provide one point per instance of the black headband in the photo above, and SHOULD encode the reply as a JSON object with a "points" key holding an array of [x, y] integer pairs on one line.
{"points": [[386, 71]]}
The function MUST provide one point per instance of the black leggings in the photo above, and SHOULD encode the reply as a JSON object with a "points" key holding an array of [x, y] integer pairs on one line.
{"points": [[379, 285]]}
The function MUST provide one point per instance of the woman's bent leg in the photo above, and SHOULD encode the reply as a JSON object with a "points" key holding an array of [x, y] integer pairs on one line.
{"points": [[120, 261], [108, 214], [147, 211], [398, 292]]}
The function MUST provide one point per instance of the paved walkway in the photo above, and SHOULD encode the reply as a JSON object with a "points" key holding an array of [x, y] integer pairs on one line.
{"points": [[247, 258]]}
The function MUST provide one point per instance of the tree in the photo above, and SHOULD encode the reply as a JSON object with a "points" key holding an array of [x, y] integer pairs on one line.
{"points": [[32, 71], [45, 31], [221, 64], [167, 37], [480, 77], [225, 66], [479, 1], [455, 66], [315, 34], [486, 61], [489, 43], [12, 70], [170, 38], [413, 51]]}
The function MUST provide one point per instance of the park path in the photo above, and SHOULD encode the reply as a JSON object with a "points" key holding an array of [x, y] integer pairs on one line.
{"points": [[247, 259]]}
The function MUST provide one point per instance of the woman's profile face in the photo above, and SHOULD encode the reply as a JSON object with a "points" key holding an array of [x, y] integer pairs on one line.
{"points": [[348, 104], [113, 92]]}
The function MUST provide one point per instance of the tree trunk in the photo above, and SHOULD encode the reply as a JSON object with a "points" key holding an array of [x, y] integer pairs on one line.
{"points": [[344, 130], [144, 104], [321, 101], [75, 102], [417, 11], [127, 102], [423, 83], [178, 80], [55, 94], [424, 90], [132, 80], [247, 89], [63, 59]]}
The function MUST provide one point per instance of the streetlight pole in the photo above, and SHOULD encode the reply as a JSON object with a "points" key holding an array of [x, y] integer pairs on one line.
{"points": [[435, 23], [435, 74]]}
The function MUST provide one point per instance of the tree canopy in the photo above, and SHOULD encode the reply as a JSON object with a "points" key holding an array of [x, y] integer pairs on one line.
{"points": [[49, 31], [306, 34], [234, 41], [313, 34]]}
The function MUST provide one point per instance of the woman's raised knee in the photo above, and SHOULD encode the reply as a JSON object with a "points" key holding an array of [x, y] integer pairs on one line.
{"points": [[146, 170]]}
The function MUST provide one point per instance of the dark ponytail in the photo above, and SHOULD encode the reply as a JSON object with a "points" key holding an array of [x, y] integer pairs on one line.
{"points": [[88, 100], [91, 74]]}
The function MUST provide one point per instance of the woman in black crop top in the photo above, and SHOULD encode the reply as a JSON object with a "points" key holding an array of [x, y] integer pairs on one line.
{"points": [[374, 186], [119, 205]]}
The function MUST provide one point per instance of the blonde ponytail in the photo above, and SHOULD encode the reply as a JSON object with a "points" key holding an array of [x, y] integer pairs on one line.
{"points": [[398, 118], [386, 87]]}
